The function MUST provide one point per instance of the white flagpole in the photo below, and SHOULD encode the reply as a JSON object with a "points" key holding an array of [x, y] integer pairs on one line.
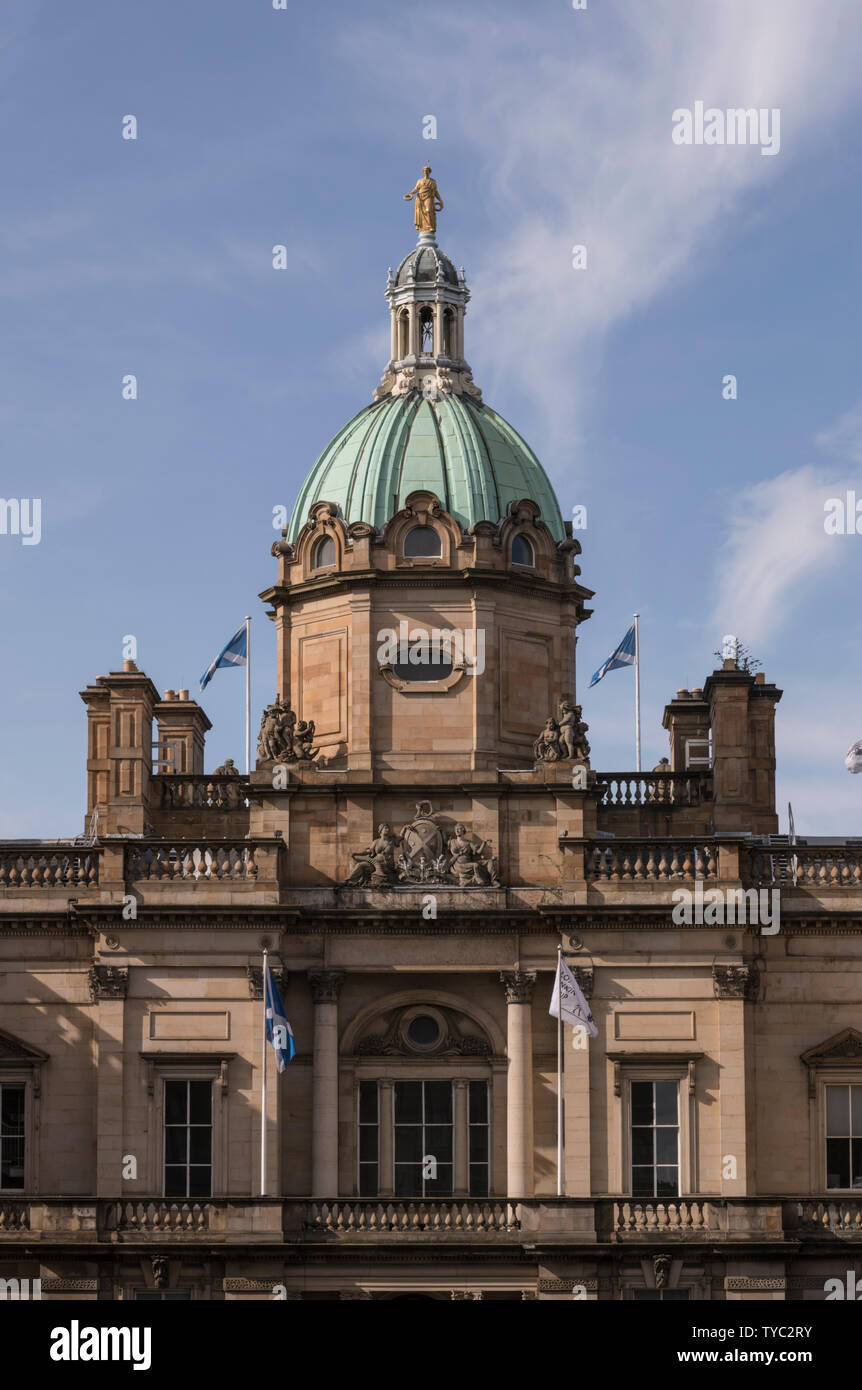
{"points": [[559, 1071], [247, 695], [637, 697], [263, 1090]]}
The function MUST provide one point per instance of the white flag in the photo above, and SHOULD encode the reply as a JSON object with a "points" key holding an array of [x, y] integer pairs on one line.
{"points": [[575, 1009], [853, 761]]}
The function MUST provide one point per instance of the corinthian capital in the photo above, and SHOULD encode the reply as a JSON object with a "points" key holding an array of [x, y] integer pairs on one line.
{"points": [[518, 985], [325, 985]]}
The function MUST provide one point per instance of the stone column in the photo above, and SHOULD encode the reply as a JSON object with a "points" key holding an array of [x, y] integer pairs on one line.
{"points": [[325, 985], [518, 985], [386, 1120], [109, 986], [460, 1155]]}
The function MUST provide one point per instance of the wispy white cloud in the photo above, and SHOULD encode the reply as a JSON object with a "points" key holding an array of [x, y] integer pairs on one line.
{"points": [[775, 546]]}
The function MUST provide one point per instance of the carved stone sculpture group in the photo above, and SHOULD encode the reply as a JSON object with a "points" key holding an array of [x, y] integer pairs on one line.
{"points": [[424, 853], [283, 739], [563, 739]]}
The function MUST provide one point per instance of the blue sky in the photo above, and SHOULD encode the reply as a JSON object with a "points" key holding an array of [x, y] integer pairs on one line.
{"points": [[303, 127]]}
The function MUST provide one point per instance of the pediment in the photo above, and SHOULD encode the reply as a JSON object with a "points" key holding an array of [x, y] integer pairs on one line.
{"points": [[12, 1049], [844, 1046]]}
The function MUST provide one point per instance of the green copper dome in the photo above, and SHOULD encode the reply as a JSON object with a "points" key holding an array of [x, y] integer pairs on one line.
{"points": [[454, 446]]}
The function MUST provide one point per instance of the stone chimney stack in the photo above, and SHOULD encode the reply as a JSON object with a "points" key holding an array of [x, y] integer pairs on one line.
{"points": [[686, 719], [119, 753], [182, 728], [742, 717]]}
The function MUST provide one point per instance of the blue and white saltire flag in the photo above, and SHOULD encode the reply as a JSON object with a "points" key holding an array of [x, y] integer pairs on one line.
{"points": [[623, 656], [278, 1030], [234, 654]]}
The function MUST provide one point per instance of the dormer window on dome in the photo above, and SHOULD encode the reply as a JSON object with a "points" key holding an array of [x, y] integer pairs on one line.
{"points": [[522, 551], [422, 543], [323, 556]]}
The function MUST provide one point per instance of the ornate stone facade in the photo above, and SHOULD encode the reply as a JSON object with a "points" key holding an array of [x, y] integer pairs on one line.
{"points": [[411, 856]]}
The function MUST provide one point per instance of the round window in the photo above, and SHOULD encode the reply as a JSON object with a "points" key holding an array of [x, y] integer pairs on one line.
{"points": [[423, 1030]]}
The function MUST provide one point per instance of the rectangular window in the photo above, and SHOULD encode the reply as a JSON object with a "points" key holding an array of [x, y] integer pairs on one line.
{"points": [[843, 1137], [188, 1138], [12, 1137], [655, 1138], [479, 1143], [369, 1139], [423, 1138]]}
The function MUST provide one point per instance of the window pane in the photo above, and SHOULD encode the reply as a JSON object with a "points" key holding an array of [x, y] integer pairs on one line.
{"points": [[200, 1145], [675, 1295], [408, 1102], [642, 1103], [368, 1102], [175, 1144], [438, 1102], [665, 1102], [666, 1182], [642, 1151], [175, 1102], [441, 1186], [13, 1110], [856, 1094], [200, 1180], [200, 1102], [12, 1168], [837, 1110], [368, 1180], [479, 1102], [857, 1162], [438, 1142], [408, 1180], [478, 1144], [666, 1147], [837, 1163], [478, 1180], [408, 1143], [646, 1295], [175, 1182], [642, 1182], [368, 1143]]}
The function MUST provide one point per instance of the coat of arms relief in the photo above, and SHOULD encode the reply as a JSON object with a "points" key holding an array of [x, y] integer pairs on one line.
{"points": [[431, 849]]}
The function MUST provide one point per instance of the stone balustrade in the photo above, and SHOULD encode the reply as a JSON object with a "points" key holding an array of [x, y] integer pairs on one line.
{"points": [[680, 1217], [214, 793], [157, 1217], [431, 1217], [191, 860], [66, 866], [826, 866], [14, 1216], [661, 790], [840, 1217], [651, 861], [571, 1220]]}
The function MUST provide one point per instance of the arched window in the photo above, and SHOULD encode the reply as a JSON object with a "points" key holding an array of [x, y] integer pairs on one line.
{"points": [[448, 333], [423, 542], [522, 551], [324, 554], [403, 334], [426, 326]]}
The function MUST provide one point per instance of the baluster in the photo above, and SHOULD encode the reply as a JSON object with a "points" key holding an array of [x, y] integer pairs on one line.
{"points": [[638, 871], [687, 873], [711, 864], [651, 872], [662, 864]]}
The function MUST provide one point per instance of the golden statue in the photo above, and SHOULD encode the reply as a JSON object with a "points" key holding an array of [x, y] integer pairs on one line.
{"points": [[428, 202]]}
